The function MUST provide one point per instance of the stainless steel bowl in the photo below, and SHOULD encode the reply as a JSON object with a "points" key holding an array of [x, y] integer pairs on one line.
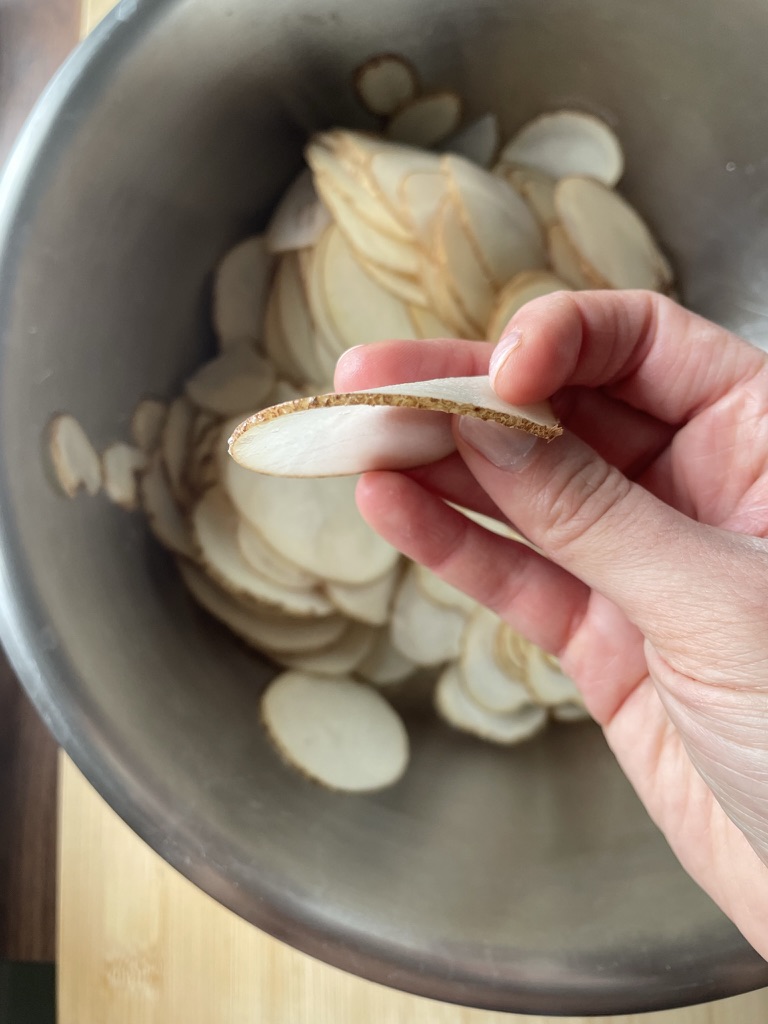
{"points": [[526, 880]]}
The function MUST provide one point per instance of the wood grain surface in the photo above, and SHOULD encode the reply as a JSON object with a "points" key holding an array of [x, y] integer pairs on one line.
{"points": [[138, 944]]}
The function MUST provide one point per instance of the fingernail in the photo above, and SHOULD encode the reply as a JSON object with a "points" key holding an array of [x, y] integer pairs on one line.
{"points": [[505, 447], [504, 348]]}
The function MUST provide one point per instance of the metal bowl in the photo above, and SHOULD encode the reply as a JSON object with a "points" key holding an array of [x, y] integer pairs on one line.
{"points": [[529, 879]]}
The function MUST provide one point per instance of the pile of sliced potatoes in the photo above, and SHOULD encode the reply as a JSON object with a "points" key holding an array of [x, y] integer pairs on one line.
{"points": [[427, 229]]}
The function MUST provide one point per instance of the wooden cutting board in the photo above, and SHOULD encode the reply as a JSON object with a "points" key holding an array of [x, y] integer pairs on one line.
{"points": [[138, 944]]}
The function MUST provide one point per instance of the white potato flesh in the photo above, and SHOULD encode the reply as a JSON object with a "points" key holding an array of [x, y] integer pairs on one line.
{"points": [[214, 524], [121, 464], [163, 514], [338, 732], [384, 665], [296, 321], [464, 273], [240, 292], [260, 628], [426, 120], [456, 707], [147, 423], [75, 460], [489, 684], [393, 427], [386, 83], [610, 237], [420, 196], [522, 289], [174, 443], [565, 261], [369, 239], [299, 219], [438, 590], [536, 188], [270, 563], [370, 603], [478, 141], [237, 381], [341, 657], [565, 143], [547, 682], [426, 632]]}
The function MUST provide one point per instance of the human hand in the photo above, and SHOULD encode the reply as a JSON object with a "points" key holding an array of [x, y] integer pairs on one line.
{"points": [[652, 510]]}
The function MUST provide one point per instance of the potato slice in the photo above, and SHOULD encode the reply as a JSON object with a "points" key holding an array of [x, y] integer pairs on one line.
{"points": [[426, 632], [565, 261], [456, 707], [260, 628], [522, 289], [478, 141], [337, 732], [201, 468], [609, 236], [510, 651], [407, 289], [548, 684], [505, 233], [270, 563], [426, 120], [237, 381], [369, 240], [463, 272], [163, 515], [299, 219], [384, 665], [275, 341], [312, 523], [297, 324], [536, 188], [438, 590], [501, 529], [565, 143], [382, 428], [75, 460], [444, 302], [121, 465], [428, 324], [369, 603], [386, 83], [338, 658], [147, 423], [420, 196], [489, 684], [214, 524], [240, 292], [174, 443]]}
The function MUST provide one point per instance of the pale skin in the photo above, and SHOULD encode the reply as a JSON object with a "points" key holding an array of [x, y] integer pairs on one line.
{"points": [[652, 510]]}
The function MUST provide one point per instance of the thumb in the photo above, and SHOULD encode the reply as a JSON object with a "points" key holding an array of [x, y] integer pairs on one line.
{"points": [[585, 515]]}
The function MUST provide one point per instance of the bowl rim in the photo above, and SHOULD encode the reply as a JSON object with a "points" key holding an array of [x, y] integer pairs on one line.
{"points": [[48, 682]]}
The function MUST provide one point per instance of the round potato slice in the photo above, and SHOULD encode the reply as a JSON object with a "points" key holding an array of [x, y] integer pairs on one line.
{"points": [[384, 665], [262, 628], [386, 83], [438, 590], [147, 423], [75, 460], [547, 682], [342, 656], [269, 563], [235, 382], [610, 237], [299, 219], [426, 120], [489, 684], [565, 143], [426, 632], [536, 188], [566, 262], [337, 732], [456, 707], [382, 428], [295, 316], [121, 465], [464, 274], [163, 515], [369, 603], [523, 288], [240, 291]]}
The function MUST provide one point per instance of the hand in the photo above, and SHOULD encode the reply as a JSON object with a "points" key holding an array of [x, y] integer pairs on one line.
{"points": [[652, 510]]}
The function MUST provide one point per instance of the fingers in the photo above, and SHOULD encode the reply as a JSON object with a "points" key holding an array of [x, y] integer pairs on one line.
{"points": [[398, 362], [650, 352], [537, 597]]}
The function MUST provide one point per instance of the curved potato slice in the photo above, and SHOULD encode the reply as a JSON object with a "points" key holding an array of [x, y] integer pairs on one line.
{"points": [[384, 665], [121, 465], [547, 682], [611, 239], [240, 292], [386, 83], [261, 628], [436, 589], [174, 443], [568, 142], [234, 382], [75, 461], [270, 563], [299, 219], [426, 120], [382, 428], [338, 732], [536, 188], [370, 240], [426, 632], [478, 141], [463, 272], [428, 324], [566, 263], [297, 324], [523, 288], [369, 602], [163, 516], [338, 658], [147, 423], [457, 708], [489, 684]]}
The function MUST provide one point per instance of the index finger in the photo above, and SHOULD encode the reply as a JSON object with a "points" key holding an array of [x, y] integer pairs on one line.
{"points": [[640, 346]]}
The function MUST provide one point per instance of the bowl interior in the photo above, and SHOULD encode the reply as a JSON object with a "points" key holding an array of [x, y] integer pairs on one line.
{"points": [[528, 879]]}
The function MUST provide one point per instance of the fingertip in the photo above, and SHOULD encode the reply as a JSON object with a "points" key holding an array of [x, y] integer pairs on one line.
{"points": [[350, 367]]}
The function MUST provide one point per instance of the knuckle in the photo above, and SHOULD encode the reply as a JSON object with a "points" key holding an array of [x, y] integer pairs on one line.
{"points": [[579, 499]]}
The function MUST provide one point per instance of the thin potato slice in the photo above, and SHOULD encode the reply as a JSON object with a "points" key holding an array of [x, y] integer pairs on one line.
{"points": [[536, 188], [457, 708], [487, 682], [240, 292], [270, 563], [297, 324], [174, 442], [312, 523], [426, 120], [201, 469], [163, 516], [420, 196], [390, 166], [548, 684], [463, 272], [510, 650], [384, 665], [147, 423], [75, 460], [444, 303], [214, 524], [121, 465], [428, 324], [386, 83], [522, 289], [496, 526], [407, 289], [478, 141], [426, 632], [300, 217], [382, 428], [275, 341], [260, 628], [370, 240], [337, 732], [369, 603], [565, 143], [338, 658], [565, 261], [235, 382], [610, 237], [436, 589]]}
